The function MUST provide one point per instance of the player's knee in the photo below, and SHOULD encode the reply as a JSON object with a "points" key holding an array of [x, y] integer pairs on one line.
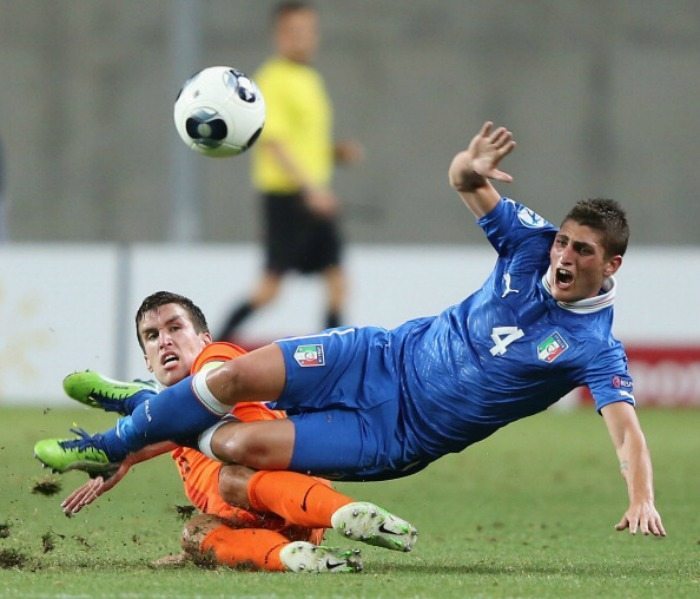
{"points": [[233, 484], [230, 444], [239, 445], [196, 529]]}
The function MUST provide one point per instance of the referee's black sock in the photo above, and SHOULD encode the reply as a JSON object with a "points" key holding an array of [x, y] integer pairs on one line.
{"points": [[332, 319], [243, 311]]}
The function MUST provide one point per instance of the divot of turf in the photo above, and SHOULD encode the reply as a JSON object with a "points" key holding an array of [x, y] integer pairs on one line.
{"points": [[185, 512], [48, 486], [11, 558]]}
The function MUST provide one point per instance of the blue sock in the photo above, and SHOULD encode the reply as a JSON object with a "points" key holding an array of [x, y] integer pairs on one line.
{"points": [[175, 413], [131, 403]]}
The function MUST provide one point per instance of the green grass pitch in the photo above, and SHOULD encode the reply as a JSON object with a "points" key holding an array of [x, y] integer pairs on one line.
{"points": [[526, 513]]}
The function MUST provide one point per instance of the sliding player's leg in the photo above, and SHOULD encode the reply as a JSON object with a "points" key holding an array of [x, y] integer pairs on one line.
{"points": [[311, 502], [208, 538], [298, 499]]}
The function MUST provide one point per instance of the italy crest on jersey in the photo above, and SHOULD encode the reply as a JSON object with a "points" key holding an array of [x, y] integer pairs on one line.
{"points": [[309, 355], [551, 348]]}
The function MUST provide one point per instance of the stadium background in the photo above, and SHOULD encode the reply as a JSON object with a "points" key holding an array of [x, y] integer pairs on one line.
{"points": [[107, 205]]}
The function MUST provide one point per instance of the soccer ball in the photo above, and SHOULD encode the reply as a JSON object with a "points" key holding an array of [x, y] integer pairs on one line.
{"points": [[219, 112]]}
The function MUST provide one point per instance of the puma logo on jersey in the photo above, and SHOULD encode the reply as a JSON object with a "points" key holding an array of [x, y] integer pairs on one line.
{"points": [[506, 283]]}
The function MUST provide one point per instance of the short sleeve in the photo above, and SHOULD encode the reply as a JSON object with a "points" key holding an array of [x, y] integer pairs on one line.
{"points": [[608, 378], [510, 223]]}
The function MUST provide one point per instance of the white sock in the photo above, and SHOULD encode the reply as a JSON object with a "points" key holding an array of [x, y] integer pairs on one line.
{"points": [[204, 394], [204, 440]]}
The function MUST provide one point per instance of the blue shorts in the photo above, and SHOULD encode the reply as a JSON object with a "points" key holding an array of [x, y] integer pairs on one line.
{"points": [[342, 392]]}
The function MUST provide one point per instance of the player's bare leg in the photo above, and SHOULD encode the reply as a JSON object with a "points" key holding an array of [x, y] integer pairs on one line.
{"points": [[256, 376], [262, 445]]}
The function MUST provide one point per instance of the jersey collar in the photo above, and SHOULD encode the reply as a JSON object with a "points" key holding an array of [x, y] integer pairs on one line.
{"points": [[605, 299]]}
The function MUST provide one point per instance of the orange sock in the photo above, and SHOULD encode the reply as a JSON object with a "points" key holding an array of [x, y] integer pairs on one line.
{"points": [[241, 547], [300, 499]]}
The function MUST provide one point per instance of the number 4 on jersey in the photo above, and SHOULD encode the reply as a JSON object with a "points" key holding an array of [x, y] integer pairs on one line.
{"points": [[503, 337]]}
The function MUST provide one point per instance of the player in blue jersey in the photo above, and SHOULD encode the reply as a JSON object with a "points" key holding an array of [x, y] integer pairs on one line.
{"points": [[373, 404]]}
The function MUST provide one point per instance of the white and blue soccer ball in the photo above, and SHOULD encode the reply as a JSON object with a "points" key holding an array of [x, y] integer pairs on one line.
{"points": [[219, 112]]}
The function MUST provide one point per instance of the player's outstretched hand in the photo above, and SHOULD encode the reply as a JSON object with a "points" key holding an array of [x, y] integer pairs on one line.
{"points": [[488, 148], [642, 518], [89, 492], [482, 157]]}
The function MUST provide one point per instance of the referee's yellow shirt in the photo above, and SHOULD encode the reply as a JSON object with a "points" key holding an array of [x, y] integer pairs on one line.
{"points": [[299, 116]]}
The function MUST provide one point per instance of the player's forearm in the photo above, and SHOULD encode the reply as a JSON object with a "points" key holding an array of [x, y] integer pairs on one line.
{"points": [[636, 468], [151, 451], [476, 191]]}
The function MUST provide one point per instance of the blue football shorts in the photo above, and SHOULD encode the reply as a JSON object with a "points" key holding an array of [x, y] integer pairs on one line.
{"points": [[342, 394]]}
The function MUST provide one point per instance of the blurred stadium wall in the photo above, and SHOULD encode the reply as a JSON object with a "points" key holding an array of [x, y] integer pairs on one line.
{"points": [[602, 97]]}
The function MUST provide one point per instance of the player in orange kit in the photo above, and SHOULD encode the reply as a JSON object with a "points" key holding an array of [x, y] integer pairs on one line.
{"points": [[279, 518]]}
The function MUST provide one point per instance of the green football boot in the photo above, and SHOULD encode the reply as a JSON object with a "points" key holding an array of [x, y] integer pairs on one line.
{"points": [[98, 391], [366, 522], [83, 453]]}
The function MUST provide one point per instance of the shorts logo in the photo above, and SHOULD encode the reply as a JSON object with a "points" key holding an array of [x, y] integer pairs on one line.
{"points": [[551, 348], [309, 355], [530, 218]]}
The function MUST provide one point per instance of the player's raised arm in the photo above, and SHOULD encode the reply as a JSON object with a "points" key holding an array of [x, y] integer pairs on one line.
{"points": [[635, 467], [472, 168]]}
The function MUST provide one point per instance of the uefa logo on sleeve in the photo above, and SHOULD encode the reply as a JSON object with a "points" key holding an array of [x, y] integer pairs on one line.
{"points": [[530, 219]]}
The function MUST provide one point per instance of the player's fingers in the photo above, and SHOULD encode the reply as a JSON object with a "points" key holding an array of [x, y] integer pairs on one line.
{"points": [[503, 137], [622, 524], [499, 136], [87, 498], [486, 128], [657, 527], [506, 149], [500, 176], [80, 497], [70, 503], [74, 496], [644, 526], [633, 525]]}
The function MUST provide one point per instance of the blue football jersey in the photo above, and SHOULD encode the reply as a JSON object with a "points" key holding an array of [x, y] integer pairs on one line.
{"points": [[507, 351]]}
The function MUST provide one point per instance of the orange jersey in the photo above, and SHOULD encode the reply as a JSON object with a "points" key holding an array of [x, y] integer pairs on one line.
{"points": [[200, 474]]}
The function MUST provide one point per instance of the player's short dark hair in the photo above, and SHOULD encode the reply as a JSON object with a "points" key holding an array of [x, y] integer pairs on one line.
{"points": [[606, 216], [161, 298], [282, 9]]}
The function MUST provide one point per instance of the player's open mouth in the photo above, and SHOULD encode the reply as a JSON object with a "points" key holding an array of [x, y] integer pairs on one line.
{"points": [[563, 278], [168, 359]]}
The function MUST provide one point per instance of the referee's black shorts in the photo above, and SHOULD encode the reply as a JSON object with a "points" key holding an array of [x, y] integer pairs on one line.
{"points": [[296, 239]]}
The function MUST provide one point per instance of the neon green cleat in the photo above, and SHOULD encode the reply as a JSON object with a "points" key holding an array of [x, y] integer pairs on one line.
{"points": [[62, 455], [366, 522], [98, 391], [300, 556]]}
